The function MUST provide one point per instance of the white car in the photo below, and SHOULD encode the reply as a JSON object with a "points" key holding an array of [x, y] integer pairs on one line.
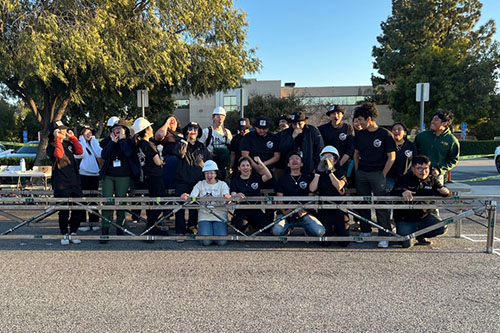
{"points": [[497, 158], [24, 151]]}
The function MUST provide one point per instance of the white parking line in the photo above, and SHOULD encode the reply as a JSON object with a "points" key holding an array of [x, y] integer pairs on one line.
{"points": [[469, 238]]}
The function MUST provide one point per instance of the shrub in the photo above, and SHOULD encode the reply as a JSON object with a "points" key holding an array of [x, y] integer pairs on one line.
{"points": [[483, 147]]}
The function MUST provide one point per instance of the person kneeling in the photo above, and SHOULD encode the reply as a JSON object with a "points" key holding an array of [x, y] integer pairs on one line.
{"points": [[211, 222], [418, 182]]}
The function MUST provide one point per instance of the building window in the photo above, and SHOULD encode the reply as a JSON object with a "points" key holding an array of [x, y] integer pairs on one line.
{"points": [[182, 103], [230, 103], [342, 100]]}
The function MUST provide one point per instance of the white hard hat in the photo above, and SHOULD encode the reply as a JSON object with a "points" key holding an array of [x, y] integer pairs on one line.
{"points": [[112, 120], [330, 149], [140, 124], [219, 110], [210, 166]]}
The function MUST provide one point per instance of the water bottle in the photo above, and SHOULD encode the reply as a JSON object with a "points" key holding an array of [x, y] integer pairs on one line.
{"points": [[23, 164]]}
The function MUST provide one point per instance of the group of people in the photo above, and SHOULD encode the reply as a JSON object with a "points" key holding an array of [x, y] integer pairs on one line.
{"points": [[299, 160]]}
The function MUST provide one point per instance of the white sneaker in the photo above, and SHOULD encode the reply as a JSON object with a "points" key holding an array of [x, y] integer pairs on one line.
{"points": [[363, 235], [84, 229], [383, 244], [96, 228], [74, 240], [65, 240]]}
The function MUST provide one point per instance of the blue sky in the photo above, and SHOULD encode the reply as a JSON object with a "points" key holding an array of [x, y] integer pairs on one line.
{"points": [[322, 42]]}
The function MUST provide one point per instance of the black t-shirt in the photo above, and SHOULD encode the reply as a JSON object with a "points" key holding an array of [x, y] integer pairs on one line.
{"points": [[295, 186], [262, 146], [373, 148], [146, 153], [404, 155], [325, 186], [341, 138], [249, 187]]}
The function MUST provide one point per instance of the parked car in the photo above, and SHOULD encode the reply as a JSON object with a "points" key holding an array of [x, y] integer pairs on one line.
{"points": [[497, 158], [24, 151]]}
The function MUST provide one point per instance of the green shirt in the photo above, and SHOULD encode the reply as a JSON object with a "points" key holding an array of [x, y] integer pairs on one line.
{"points": [[443, 150]]}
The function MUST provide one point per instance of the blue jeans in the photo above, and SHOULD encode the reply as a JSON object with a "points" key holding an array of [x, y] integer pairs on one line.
{"points": [[212, 228], [404, 228], [311, 225]]}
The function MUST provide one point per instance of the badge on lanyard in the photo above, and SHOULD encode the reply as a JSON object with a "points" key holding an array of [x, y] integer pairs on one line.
{"points": [[117, 163]]}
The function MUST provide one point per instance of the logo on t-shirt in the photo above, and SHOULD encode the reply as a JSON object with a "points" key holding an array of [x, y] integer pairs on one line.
{"points": [[269, 144], [408, 153], [342, 136], [70, 148], [303, 185], [254, 186], [377, 143]]}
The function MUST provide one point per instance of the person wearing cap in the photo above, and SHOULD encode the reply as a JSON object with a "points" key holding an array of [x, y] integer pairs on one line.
{"points": [[62, 147], [338, 134], [120, 164], [330, 180], [243, 129], [89, 170], [248, 183], [296, 183], [283, 122], [405, 150], [304, 138], [217, 139], [152, 167], [211, 222], [280, 166], [168, 135], [261, 143], [439, 144], [192, 155], [374, 155]]}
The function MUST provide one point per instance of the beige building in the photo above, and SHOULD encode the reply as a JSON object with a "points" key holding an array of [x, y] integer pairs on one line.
{"points": [[316, 101]]}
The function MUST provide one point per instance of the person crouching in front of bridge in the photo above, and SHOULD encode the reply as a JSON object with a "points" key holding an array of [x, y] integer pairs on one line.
{"points": [[152, 167], [211, 221], [63, 145], [330, 180], [418, 182], [295, 183], [249, 184]]}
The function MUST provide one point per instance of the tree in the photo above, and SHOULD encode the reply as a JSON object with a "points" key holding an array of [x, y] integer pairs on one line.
{"points": [[7, 119], [438, 42], [57, 53]]}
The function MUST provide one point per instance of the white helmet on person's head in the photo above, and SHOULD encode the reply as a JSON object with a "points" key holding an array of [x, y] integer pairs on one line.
{"points": [[330, 149], [140, 124], [112, 120], [210, 166], [219, 110]]}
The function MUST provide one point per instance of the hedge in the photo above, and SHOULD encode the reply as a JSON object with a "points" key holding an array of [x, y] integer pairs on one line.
{"points": [[483, 147]]}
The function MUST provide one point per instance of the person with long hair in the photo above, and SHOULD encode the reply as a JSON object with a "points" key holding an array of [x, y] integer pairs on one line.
{"points": [[249, 184], [405, 150], [168, 135]]}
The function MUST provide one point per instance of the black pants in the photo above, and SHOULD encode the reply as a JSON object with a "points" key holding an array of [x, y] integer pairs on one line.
{"points": [[77, 216], [90, 183], [156, 188], [335, 223], [254, 217], [137, 185], [180, 216]]}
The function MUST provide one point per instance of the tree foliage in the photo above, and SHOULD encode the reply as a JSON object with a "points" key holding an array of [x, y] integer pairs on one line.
{"points": [[438, 42], [57, 53]]}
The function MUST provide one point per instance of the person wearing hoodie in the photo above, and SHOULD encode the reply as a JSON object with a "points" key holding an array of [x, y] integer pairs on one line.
{"points": [[119, 166], [63, 145], [89, 170], [192, 155]]}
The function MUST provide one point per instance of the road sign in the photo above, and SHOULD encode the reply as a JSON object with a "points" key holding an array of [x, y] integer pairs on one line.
{"points": [[142, 98], [422, 93]]}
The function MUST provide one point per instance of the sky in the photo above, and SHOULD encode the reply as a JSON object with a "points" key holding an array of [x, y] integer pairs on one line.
{"points": [[319, 43]]}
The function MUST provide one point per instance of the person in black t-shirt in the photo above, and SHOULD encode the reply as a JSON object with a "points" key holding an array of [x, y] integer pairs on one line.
{"points": [[248, 184], [296, 184], [330, 180], [418, 182], [243, 129], [338, 134], [152, 166], [280, 166], [374, 156], [261, 143], [405, 150]]}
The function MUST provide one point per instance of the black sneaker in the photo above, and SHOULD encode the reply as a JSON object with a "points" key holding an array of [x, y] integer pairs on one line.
{"points": [[104, 233], [423, 241]]}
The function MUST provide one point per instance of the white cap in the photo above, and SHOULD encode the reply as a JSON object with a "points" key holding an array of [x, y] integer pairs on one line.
{"points": [[210, 166], [330, 149], [140, 124], [112, 120], [219, 110]]}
